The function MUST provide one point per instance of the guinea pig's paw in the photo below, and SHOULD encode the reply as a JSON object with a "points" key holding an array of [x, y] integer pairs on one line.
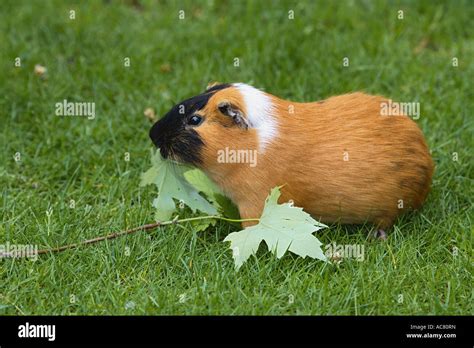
{"points": [[379, 234]]}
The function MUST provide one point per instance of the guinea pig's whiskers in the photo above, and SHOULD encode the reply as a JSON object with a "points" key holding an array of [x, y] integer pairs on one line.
{"points": [[175, 162], [172, 156]]}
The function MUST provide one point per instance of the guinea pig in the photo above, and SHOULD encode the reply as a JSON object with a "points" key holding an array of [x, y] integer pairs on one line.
{"points": [[339, 159]]}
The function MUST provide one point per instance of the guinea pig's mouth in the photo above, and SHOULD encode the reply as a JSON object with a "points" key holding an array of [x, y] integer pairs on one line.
{"points": [[183, 149], [168, 153]]}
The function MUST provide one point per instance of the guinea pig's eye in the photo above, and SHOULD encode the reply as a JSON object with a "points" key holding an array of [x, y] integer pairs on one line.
{"points": [[195, 120]]}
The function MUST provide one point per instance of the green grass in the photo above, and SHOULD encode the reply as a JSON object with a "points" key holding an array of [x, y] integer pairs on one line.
{"points": [[72, 158]]}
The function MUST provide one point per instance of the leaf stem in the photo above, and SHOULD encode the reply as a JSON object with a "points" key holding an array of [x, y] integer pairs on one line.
{"points": [[114, 235]]}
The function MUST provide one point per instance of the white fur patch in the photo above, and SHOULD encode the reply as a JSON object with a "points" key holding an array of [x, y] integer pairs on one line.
{"points": [[259, 113]]}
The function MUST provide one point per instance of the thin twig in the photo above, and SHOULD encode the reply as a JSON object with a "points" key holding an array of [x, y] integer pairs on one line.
{"points": [[100, 239], [114, 235]]}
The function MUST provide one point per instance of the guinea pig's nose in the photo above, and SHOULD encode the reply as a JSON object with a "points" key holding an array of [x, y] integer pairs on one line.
{"points": [[159, 139], [156, 135]]}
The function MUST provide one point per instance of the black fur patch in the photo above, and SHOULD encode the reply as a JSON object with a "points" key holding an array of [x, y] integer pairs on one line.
{"points": [[171, 135], [218, 87]]}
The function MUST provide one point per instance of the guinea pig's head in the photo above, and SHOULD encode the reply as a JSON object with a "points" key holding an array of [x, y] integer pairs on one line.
{"points": [[194, 130]]}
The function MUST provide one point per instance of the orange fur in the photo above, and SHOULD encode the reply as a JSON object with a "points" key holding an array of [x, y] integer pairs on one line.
{"points": [[388, 159]]}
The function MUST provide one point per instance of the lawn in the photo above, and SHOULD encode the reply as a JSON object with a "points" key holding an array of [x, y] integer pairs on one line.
{"points": [[66, 179]]}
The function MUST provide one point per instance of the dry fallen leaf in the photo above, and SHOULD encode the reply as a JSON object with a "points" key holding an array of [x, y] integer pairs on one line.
{"points": [[40, 70], [336, 257], [150, 114], [421, 45], [197, 13], [424, 44], [165, 68]]}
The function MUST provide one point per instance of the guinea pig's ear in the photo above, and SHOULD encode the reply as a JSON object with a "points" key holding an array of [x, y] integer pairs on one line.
{"points": [[227, 109]]}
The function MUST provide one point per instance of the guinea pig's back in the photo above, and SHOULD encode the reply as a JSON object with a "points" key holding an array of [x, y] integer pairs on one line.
{"points": [[362, 166]]}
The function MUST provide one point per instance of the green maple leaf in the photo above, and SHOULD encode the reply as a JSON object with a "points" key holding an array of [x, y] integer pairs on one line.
{"points": [[169, 179], [202, 183], [283, 227]]}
